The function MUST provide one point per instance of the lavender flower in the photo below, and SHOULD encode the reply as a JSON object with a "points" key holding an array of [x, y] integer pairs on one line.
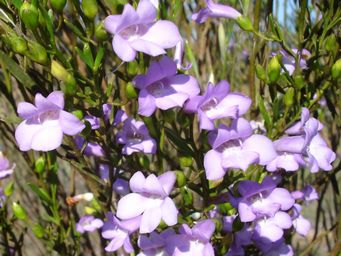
{"points": [[5, 169], [88, 223], [45, 122], [155, 244], [217, 103], [150, 198], [214, 10], [136, 31], [120, 186], [135, 137], [195, 241], [261, 200], [289, 61], [301, 224], [308, 193], [234, 147], [278, 248], [271, 229], [162, 88], [118, 232]]}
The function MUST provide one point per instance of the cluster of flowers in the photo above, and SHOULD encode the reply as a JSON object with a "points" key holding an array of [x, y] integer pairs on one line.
{"points": [[265, 209]]}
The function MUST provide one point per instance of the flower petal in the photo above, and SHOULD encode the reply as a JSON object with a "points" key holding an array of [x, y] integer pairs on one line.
{"points": [[169, 212], [70, 124], [213, 167], [26, 110], [151, 218], [49, 137], [123, 49], [146, 103], [130, 206]]}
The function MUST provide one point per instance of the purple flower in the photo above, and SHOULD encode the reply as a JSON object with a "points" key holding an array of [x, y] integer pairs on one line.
{"points": [[233, 147], [214, 10], [301, 224], [118, 232], [289, 61], [120, 186], [5, 169], [150, 198], [217, 103], [136, 31], [269, 230], [195, 241], [278, 248], [135, 137], [88, 223], [45, 122], [155, 244], [289, 150], [162, 88], [261, 200], [308, 193]]}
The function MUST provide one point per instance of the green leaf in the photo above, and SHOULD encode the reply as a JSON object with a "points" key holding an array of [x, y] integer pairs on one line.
{"points": [[41, 193], [265, 113], [16, 70], [86, 55], [179, 142], [99, 58]]}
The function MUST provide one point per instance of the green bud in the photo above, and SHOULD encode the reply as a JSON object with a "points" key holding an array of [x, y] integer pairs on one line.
{"points": [[299, 81], [331, 43], [58, 5], [180, 179], [38, 231], [130, 91], [260, 72], [37, 52], [289, 97], [60, 73], [336, 69], [8, 190], [244, 23], [78, 113], [90, 8], [100, 32], [185, 161], [19, 211], [29, 15], [144, 162], [89, 210], [39, 165], [132, 68], [19, 45], [274, 69]]}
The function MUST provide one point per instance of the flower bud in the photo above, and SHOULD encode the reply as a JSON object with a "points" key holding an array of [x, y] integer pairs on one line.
{"points": [[130, 91], [19, 45], [37, 52], [19, 211], [274, 69], [39, 165], [90, 8], [299, 81], [29, 15], [260, 72], [185, 161], [69, 82], [58, 5], [100, 33], [244, 23], [289, 97], [180, 179], [336, 69]]}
